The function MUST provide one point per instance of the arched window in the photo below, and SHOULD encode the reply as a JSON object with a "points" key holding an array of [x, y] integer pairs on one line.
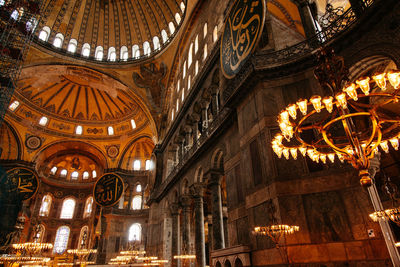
{"points": [[177, 18], [58, 40], [164, 36], [136, 165], [98, 54], [68, 208], [83, 237], [177, 105], [110, 130], [172, 115], [78, 130], [45, 206], [121, 202], [31, 25], [43, 121], [86, 50], [72, 46], [136, 203], [205, 31], [16, 14], [14, 105], [156, 43], [196, 44], [184, 69], [53, 170], [85, 175], [39, 231], [61, 242], [94, 174], [182, 5], [148, 165], [135, 51], [215, 34], [44, 33], [133, 124], [2, 2], [112, 56], [171, 27], [178, 86], [135, 232], [88, 207], [189, 80], [146, 48], [63, 173], [205, 52], [124, 53], [74, 175], [183, 95], [190, 55], [139, 188], [196, 67]]}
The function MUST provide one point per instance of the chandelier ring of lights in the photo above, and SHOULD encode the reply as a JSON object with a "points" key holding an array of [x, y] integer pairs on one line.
{"points": [[356, 145]]}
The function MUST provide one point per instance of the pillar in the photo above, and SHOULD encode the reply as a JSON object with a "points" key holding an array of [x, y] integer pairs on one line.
{"points": [[215, 104], [195, 129], [217, 216], [185, 203], [204, 115], [175, 249], [307, 19], [188, 137], [197, 192]]}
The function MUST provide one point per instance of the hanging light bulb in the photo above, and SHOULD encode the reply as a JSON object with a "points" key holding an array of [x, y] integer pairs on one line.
{"points": [[284, 116], [278, 138], [340, 157], [302, 104], [394, 78], [364, 85], [322, 157], [380, 80], [315, 157], [341, 98], [351, 91], [293, 152], [384, 145], [331, 157], [394, 142], [292, 109], [316, 101], [310, 152], [303, 150], [285, 152], [328, 102]]}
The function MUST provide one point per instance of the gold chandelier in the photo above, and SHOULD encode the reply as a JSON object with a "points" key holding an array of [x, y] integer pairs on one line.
{"points": [[274, 231], [350, 124]]}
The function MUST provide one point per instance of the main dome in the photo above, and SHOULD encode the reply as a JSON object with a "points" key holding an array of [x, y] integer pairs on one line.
{"points": [[117, 30]]}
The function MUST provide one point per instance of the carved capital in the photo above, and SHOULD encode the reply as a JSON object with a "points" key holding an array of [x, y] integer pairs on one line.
{"points": [[197, 190], [174, 209], [185, 201]]}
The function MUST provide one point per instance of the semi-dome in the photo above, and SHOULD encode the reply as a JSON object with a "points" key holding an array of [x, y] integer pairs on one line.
{"points": [[102, 30]]}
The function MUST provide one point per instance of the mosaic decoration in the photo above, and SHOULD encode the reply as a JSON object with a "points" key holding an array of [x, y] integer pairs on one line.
{"points": [[242, 30], [112, 151], [33, 142], [108, 190]]}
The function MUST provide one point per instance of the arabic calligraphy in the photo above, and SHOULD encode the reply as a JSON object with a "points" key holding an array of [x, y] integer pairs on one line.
{"points": [[243, 28], [22, 182], [108, 190]]}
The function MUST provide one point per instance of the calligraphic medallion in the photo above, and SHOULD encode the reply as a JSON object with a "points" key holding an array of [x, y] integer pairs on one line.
{"points": [[242, 30], [108, 190], [21, 181]]}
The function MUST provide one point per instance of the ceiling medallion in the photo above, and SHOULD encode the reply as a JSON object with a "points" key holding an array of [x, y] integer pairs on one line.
{"points": [[33, 142], [112, 151], [242, 30]]}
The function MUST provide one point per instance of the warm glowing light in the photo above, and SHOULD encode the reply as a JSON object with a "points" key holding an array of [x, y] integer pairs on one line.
{"points": [[331, 157], [275, 230], [384, 145], [364, 85], [302, 104], [394, 142], [394, 78], [380, 80], [292, 109], [184, 257], [293, 152], [351, 91], [341, 98], [316, 101], [322, 157], [284, 117], [285, 152], [303, 150], [328, 102]]}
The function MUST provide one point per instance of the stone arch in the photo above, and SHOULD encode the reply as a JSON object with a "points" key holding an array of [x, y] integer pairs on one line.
{"points": [[217, 159], [11, 148], [130, 153], [371, 63], [238, 262], [227, 263], [198, 175], [218, 264]]}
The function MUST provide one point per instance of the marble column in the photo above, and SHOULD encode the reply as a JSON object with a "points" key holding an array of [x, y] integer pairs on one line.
{"points": [[217, 217], [188, 137], [175, 249], [215, 104], [204, 115], [185, 202], [307, 18], [197, 192], [195, 129]]}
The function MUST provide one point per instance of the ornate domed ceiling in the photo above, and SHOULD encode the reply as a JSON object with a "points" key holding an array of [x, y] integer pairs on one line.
{"points": [[71, 96], [122, 27]]}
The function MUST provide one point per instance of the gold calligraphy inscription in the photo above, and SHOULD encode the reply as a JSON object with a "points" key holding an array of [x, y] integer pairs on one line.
{"points": [[242, 30], [108, 190], [23, 182]]}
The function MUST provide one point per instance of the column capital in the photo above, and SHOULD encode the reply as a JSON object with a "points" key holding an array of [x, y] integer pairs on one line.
{"points": [[174, 208], [197, 190], [214, 177], [185, 201]]}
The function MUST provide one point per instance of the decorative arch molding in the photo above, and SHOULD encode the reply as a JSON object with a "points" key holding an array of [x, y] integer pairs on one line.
{"points": [[129, 145], [15, 134], [371, 63], [198, 175], [217, 158]]}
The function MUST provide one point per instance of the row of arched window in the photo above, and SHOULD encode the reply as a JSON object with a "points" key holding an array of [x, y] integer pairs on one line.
{"points": [[137, 165], [111, 54], [192, 51], [67, 209], [63, 233], [74, 175]]}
